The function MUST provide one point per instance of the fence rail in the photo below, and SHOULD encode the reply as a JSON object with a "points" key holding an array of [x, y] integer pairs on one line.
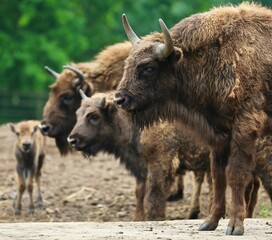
{"points": [[15, 107]]}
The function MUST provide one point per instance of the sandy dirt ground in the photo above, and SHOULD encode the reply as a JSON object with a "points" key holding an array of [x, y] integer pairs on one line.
{"points": [[76, 189], [256, 229]]}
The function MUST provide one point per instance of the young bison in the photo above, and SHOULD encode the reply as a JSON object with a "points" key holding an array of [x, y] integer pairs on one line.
{"points": [[101, 127], [211, 71], [29, 153], [102, 74]]}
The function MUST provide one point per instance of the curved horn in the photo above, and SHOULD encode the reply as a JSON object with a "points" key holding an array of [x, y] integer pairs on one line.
{"points": [[133, 38], [103, 102], [77, 72], [82, 94], [168, 47], [51, 72]]}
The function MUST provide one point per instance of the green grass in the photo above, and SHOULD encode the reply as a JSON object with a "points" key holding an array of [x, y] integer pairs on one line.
{"points": [[266, 210]]}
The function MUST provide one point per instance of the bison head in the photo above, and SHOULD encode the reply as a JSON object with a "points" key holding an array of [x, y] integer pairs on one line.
{"points": [[25, 134], [148, 71], [93, 130], [59, 114]]}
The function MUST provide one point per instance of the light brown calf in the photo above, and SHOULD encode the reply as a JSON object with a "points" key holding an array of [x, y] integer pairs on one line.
{"points": [[29, 153]]}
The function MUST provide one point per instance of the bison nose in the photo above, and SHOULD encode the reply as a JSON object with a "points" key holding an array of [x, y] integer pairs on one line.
{"points": [[44, 128], [73, 141], [119, 100], [26, 146]]}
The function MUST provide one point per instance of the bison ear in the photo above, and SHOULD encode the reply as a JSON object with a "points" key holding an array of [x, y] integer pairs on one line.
{"points": [[79, 81], [107, 105], [177, 55], [87, 88], [12, 127], [36, 128]]}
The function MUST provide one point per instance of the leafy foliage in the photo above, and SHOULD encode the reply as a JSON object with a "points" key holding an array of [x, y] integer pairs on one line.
{"points": [[35, 33], [266, 210]]}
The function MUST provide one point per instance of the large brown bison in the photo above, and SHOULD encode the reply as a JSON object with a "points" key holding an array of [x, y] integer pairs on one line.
{"points": [[212, 71], [102, 74]]}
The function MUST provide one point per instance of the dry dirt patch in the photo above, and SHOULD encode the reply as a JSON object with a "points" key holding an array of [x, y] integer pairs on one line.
{"points": [[81, 190]]}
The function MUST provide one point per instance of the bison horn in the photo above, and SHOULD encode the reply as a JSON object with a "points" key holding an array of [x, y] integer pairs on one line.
{"points": [[133, 38], [164, 50], [51, 72], [103, 102], [83, 95], [77, 72]]}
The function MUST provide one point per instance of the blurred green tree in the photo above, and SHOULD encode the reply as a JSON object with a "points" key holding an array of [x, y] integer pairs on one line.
{"points": [[35, 33]]}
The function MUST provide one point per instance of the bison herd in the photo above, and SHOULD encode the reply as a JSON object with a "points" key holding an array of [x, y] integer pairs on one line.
{"points": [[194, 97]]}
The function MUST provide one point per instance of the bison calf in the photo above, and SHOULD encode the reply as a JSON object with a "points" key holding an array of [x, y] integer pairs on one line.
{"points": [[102, 127], [155, 155], [29, 153]]}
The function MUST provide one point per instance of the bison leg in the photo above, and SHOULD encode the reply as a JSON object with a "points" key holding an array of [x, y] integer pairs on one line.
{"points": [[29, 188], [264, 165], [241, 165], [162, 165], [156, 194], [266, 178], [238, 177], [40, 204], [210, 185], [160, 178], [218, 167], [140, 194], [251, 196], [176, 192], [195, 204], [20, 192]]}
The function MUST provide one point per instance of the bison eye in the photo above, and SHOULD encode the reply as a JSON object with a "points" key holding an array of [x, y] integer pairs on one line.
{"points": [[149, 71], [67, 99], [93, 118]]}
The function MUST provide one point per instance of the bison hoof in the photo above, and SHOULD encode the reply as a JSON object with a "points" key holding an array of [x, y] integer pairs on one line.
{"points": [[31, 212], [194, 214], [40, 205], [17, 211], [207, 227], [236, 231], [175, 197]]}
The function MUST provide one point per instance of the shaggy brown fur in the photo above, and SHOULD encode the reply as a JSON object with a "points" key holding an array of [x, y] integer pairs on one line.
{"points": [[216, 80], [168, 150], [161, 143], [101, 127], [103, 73], [154, 156], [30, 153]]}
